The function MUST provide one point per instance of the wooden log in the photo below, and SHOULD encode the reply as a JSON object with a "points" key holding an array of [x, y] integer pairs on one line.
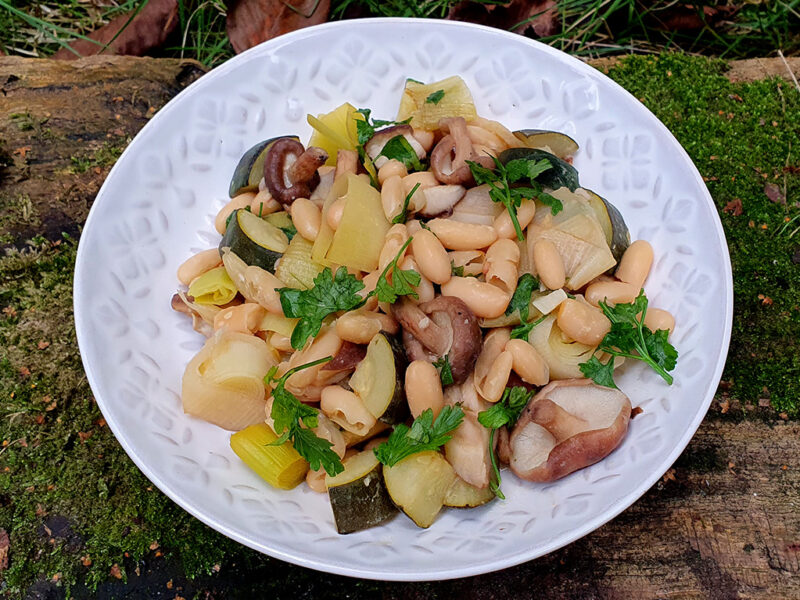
{"points": [[62, 126]]}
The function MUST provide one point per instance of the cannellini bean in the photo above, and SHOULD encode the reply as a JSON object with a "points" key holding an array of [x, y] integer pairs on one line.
{"points": [[582, 322], [307, 218], [501, 266], [335, 212], [471, 260], [326, 343], [370, 280], [395, 238], [315, 480], [244, 318], [327, 430], [413, 226], [346, 409], [615, 292], [264, 204], [426, 179], [483, 137], [528, 363], [423, 388], [493, 344], [392, 196], [431, 256], [635, 263], [391, 168], [456, 235], [499, 130], [548, 264], [656, 318], [492, 386], [484, 299], [198, 264], [360, 326], [281, 342], [505, 227], [239, 201], [425, 289], [424, 137]]}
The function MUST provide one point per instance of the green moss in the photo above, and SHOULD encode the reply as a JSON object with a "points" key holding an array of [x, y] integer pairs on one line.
{"points": [[741, 137], [105, 156], [61, 461]]}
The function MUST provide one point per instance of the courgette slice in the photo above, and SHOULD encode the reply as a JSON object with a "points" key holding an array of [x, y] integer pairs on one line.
{"points": [[616, 231], [282, 221], [463, 495], [378, 380], [418, 484], [358, 494], [254, 240], [556, 142], [562, 174], [250, 170], [297, 269]]}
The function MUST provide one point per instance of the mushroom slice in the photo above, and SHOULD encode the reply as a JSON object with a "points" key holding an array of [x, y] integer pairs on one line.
{"points": [[440, 200], [443, 326], [449, 157], [377, 142], [567, 426], [290, 170]]}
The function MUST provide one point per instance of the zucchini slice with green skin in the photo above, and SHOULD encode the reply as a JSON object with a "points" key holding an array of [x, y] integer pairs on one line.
{"points": [[562, 174], [612, 223], [378, 380], [463, 495], [282, 221], [358, 494], [254, 240], [250, 170], [559, 143], [418, 484]]}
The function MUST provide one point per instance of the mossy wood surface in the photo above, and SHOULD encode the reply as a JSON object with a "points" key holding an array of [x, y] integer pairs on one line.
{"points": [[723, 523]]}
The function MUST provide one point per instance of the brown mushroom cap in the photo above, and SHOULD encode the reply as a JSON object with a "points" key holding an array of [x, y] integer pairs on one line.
{"points": [[442, 326], [290, 171], [379, 139], [570, 424]]}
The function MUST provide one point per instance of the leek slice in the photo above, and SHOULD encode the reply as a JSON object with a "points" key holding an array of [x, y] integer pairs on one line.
{"points": [[280, 466], [213, 287]]}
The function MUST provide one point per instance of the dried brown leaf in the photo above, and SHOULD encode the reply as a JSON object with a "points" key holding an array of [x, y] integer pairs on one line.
{"points": [[251, 22], [148, 29], [734, 207], [539, 15], [774, 193]]}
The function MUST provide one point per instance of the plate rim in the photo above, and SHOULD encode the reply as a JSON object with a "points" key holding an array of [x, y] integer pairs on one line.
{"points": [[509, 560]]}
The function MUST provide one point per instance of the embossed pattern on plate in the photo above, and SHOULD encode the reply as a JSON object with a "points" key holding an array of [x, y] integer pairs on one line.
{"points": [[157, 208]]}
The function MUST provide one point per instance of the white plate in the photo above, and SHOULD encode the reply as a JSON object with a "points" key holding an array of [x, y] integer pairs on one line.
{"points": [[157, 208]]}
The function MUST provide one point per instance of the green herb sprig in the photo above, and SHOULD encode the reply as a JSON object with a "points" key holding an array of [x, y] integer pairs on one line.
{"points": [[403, 281], [424, 434], [445, 370], [290, 415], [521, 301], [403, 214], [505, 412], [630, 338], [399, 149], [502, 176], [435, 97]]}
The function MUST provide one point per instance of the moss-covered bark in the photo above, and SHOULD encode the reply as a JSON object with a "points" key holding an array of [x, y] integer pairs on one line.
{"points": [[75, 506]]}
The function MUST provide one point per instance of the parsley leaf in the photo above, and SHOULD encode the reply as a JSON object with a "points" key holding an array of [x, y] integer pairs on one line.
{"points": [[401, 217], [435, 97], [289, 230], [521, 300], [403, 282], [502, 176], [329, 295], [364, 131], [523, 330], [505, 412], [456, 271], [445, 371], [398, 148], [630, 338], [296, 420], [424, 434]]}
